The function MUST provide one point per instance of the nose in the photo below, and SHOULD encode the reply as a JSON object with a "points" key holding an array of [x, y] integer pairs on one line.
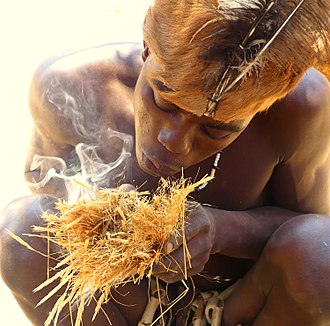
{"points": [[177, 137]]}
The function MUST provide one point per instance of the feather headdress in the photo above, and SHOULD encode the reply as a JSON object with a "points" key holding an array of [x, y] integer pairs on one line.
{"points": [[269, 19], [207, 50]]}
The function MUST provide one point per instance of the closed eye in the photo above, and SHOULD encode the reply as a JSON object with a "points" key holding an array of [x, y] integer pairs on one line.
{"points": [[163, 105], [215, 133]]}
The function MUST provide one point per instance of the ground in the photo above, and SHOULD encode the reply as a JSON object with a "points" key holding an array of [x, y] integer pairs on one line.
{"points": [[30, 31]]}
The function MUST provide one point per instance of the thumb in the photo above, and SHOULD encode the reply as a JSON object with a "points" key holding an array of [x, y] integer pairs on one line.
{"points": [[126, 187]]}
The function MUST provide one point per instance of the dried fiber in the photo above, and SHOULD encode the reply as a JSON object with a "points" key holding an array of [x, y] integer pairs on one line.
{"points": [[112, 238]]}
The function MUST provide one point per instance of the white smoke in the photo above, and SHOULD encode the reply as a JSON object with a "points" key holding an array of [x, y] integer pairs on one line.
{"points": [[77, 101], [85, 166]]}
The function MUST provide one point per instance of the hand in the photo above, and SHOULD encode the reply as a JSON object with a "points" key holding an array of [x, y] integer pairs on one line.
{"points": [[199, 236]]}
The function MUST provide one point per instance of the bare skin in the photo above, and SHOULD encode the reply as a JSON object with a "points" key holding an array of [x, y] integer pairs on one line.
{"points": [[271, 193]]}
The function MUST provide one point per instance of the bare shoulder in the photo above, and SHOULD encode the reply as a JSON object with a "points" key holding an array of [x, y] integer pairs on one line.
{"points": [[303, 116], [312, 95], [300, 127], [118, 56], [80, 84], [76, 96], [116, 59]]}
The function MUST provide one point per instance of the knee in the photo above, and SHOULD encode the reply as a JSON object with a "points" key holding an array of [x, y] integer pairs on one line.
{"points": [[24, 212], [303, 239], [299, 256], [19, 217]]}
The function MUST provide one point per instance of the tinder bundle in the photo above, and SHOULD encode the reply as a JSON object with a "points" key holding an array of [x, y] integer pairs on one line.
{"points": [[112, 238]]}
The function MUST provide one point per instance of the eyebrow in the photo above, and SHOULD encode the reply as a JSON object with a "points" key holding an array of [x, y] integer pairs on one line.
{"points": [[161, 86]]}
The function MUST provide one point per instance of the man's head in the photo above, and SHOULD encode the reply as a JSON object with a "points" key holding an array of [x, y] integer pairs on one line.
{"points": [[192, 47], [199, 44]]}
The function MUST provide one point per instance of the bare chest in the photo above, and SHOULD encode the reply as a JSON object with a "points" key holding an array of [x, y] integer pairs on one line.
{"points": [[243, 179]]}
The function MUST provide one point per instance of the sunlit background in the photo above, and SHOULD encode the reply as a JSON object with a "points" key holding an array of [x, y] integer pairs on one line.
{"points": [[31, 30]]}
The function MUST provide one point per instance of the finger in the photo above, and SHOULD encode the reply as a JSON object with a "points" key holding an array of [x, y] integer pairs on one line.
{"points": [[172, 244], [246, 301], [191, 234], [192, 228], [126, 187], [177, 273], [281, 309], [197, 250]]}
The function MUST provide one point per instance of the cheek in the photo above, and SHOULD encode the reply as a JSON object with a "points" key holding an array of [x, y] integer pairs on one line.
{"points": [[147, 119], [143, 120], [207, 147], [231, 139], [143, 124]]}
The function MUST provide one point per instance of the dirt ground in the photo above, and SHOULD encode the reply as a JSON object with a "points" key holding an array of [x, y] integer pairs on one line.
{"points": [[30, 31]]}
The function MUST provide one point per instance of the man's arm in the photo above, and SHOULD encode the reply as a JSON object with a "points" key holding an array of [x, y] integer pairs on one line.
{"points": [[287, 285], [301, 180]]}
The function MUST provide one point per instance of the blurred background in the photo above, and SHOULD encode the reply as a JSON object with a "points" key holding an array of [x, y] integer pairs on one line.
{"points": [[31, 30]]}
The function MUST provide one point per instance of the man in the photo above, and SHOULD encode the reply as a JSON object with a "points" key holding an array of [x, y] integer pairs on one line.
{"points": [[231, 77]]}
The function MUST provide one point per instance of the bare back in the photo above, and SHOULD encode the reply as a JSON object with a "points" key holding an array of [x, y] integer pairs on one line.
{"points": [[77, 98]]}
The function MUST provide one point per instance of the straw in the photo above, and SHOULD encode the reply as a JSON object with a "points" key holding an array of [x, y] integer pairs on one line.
{"points": [[112, 238]]}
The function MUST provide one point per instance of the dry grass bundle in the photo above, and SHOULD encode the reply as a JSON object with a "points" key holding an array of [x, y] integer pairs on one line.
{"points": [[110, 239]]}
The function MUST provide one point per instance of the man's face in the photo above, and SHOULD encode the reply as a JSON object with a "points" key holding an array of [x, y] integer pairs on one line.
{"points": [[170, 137]]}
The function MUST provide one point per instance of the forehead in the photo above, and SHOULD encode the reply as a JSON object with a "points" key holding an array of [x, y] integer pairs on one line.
{"points": [[191, 99], [164, 91]]}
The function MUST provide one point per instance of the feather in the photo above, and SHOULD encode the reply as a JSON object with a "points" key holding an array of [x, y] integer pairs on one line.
{"points": [[252, 52], [263, 11]]}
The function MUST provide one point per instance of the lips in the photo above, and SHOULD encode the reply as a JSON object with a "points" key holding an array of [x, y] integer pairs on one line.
{"points": [[156, 168]]}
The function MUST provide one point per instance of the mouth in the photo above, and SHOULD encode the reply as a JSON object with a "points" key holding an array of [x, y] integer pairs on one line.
{"points": [[157, 168]]}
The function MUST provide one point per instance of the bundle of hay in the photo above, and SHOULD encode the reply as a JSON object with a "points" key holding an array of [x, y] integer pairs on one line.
{"points": [[112, 238]]}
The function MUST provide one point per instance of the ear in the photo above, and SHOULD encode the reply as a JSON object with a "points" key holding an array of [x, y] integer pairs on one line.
{"points": [[145, 52]]}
